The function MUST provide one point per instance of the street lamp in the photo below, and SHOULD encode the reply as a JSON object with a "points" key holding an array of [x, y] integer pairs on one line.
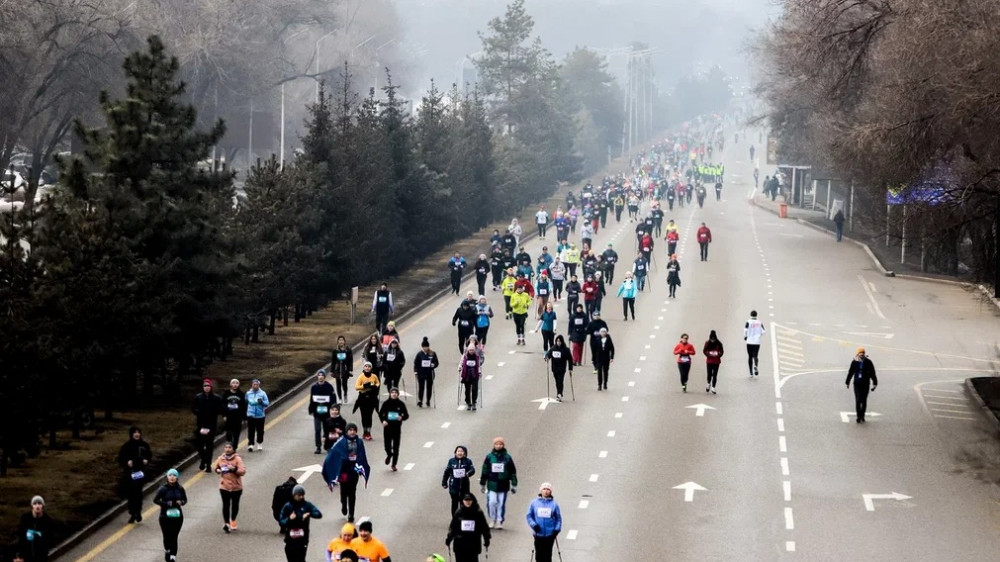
{"points": [[281, 151], [377, 65], [316, 56]]}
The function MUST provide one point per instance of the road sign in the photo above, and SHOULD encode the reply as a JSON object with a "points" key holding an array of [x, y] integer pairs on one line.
{"points": [[701, 409], [689, 490], [307, 471], [870, 499]]}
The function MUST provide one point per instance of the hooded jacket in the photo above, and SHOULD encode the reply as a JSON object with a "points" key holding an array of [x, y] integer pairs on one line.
{"points": [[471, 367], [469, 530], [499, 472], [135, 450], [544, 517], [299, 508], [231, 471], [465, 319], [458, 482], [713, 352]]}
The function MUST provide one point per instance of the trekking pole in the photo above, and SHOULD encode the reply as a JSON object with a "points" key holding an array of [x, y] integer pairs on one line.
{"points": [[482, 381], [547, 392], [558, 551], [571, 389], [532, 556], [449, 553], [433, 391]]}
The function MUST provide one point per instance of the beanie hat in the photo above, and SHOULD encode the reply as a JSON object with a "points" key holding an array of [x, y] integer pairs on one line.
{"points": [[38, 500], [347, 528], [298, 490], [861, 350], [545, 485], [351, 426], [424, 342], [365, 526], [349, 554], [173, 472], [498, 440], [207, 381]]}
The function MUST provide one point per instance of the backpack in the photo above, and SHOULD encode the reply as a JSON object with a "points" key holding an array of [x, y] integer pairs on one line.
{"points": [[282, 495]]}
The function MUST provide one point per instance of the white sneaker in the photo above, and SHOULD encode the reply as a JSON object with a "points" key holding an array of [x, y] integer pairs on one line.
{"points": [[713, 390], [250, 448], [558, 397], [500, 525], [260, 447], [493, 524]]}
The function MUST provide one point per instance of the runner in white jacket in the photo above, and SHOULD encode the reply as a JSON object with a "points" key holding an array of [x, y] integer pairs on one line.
{"points": [[753, 330]]}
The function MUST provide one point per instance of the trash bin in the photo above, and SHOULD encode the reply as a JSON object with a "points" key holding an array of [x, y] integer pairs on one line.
{"points": [[783, 210]]}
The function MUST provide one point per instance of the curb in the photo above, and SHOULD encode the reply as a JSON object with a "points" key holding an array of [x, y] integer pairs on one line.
{"points": [[990, 414]]}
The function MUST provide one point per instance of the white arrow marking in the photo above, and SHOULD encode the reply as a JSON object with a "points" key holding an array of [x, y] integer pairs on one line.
{"points": [[445, 425], [386, 492], [512, 352], [571, 535], [701, 409], [501, 364], [846, 416], [689, 489], [409, 466], [307, 471], [883, 335], [544, 402], [870, 499]]}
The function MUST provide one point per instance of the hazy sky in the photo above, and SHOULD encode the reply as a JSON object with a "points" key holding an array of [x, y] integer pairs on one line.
{"points": [[690, 34]]}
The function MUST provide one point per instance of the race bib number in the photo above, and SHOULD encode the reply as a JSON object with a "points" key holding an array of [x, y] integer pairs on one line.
{"points": [[204, 431], [465, 322], [138, 475], [341, 356], [685, 359], [320, 399], [713, 353], [578, 321], [470, 363], [557, 355], [322, 410], [30, 534], [458, 473], [543, 291], [482, 270], [393, 416], [233, 406], [426, 363], [544, 512], [390, 356], [640, 267], [173, 513], [497, 467], [468, 525], [382, 299], [296, 533]]}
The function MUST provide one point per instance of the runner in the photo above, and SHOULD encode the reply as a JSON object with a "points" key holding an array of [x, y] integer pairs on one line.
{"points": [[368, 547], [341, 365], [560, 358], [578, 323], [557, 271], [610, 258], [393, 413], [424, 363], [295, 516], [333, 427], [862, 371], [520, 304], [752, 332], [508, 284], [465, 318], [393, 364], [133, 458], [484, 312], [673, 275], [207, 407], [390, 335], [234, 411], [367, 386], [457, 476], [590, 291], [344, 465], [470, 370], [382, 307], [640, 267], [704, 239], [257, 404], [627, 292], [321, 397], [543, 290], [171, 498], [604, 356], [372, 352], [684, 351], [230, 468], [499, 476], [541, 221], [713, 351], [468, 530], [482, 268], [594, 330], [545, 520], [341, 543], [456, 266]]}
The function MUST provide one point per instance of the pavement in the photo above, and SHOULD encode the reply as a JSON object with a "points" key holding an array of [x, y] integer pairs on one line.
{"points": [[770, 468]]}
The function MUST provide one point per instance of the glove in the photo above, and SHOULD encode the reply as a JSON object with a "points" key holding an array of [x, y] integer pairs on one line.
{"points": [[537, 529], [447, 541], [482, 489], [486, 544], [874, 387], [513, 490]]}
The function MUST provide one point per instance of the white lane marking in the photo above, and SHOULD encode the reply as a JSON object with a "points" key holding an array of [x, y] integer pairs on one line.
{"points": [[445, 425], [950, 410], [631, 383], [781, 425], [871, 297], [790, 546], [409, 466], [642, 358], [955, 417], [512, 352], [611, 433], [386, 492], [652, 336], [782, 444], [602, 455], [624, 398], [583, 504], [648, 346], [428, 444], [789, 520], [663, 310], [638, 369], [593, 478], [784, 466], [960, 398], [489, 377], [948, 404], [571, 535], [501, 364], [777, 374], [659, 318], [778, 408], [618, 415], [946, 390], [656, 327], [787, 487]]}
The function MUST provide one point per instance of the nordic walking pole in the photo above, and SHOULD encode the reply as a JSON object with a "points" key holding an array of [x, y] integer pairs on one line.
{"points": [[402, 380], [571, 389], [558, 551], [433, 391], [547, 391], [532, 556]]}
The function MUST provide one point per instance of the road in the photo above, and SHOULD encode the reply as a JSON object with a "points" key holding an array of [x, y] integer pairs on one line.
{"points": [[784, 476]]}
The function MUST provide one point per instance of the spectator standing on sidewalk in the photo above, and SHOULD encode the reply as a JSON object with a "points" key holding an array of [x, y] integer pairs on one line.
{"points": [[838, 222]]}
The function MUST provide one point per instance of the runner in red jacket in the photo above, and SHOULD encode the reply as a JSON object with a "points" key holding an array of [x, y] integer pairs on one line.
{"points": [[704, 239], [684, 352]]}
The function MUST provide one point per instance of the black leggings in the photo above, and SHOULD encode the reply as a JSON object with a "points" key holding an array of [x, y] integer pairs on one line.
{"points": [[685, 369], [230, 505], [548, 339], [560, 377], [392, 433], [713, 373], [603, 369], [342, 387], [541, 229], [255, 430], [425, 383], [295, 551], [752, 361], [349, 495], [481, 332], [557, 285], [519, 320], [471, 391], [628, 304], [171, 528]]}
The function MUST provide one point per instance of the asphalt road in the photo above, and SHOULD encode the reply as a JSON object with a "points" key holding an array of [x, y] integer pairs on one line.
{"points": [[784, 475]]}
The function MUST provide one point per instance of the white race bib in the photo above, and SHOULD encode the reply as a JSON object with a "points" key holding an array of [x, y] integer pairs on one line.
{"points": [[468, 525], [498, 467], [465, 322], [426, 363], [233, 406], [578, 321], [544, 512], [458, 473], [470, 363], [543, 291], [390, 356], [557, 355], [685, 359], [296, 533], [321, 399], [382, 299], [205, 431], [341, 356]]}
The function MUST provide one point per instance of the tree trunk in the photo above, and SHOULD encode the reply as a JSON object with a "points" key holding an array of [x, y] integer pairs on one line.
{"points": [[274, 318], [298, 313], [256, 333], [246, 333], [284, 314], [996, 249]]}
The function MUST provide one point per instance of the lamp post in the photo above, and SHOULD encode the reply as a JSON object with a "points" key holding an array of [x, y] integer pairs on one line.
{"points": [[316, 57]]}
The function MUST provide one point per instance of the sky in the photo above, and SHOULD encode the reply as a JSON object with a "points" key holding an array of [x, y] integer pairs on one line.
{"points": [[689, 35]]}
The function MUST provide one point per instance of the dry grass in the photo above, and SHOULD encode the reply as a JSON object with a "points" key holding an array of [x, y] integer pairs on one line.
{"points": [[79, 479]]}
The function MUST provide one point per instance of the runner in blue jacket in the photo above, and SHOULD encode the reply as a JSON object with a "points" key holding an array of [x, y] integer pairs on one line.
{"points": [[545, 521]]}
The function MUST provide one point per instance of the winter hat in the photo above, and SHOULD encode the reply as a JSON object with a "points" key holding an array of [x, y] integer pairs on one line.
{"points": [[365, 525], [860, 350], [424, 342], [351, 426], [349, 555], [545, 485], [366, 364], [255, 381], [38, 500], [298, 490], [173, 472], [498, 440], [207, 381], [347, 528], [393, 389], [321, 373], [712, 336], [469, 496]]}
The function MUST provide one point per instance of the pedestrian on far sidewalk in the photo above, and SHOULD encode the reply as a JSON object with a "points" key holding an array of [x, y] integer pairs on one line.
{"points": [[257, 404], [133, 458], [862, 372], [34, 532], [838, 222]]}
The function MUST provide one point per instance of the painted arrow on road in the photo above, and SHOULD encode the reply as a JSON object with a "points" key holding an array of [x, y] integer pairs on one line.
{"points": [[870, 499], [701, 409], [307, 471], [846, 416], [689, 490], [544, 402]]}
